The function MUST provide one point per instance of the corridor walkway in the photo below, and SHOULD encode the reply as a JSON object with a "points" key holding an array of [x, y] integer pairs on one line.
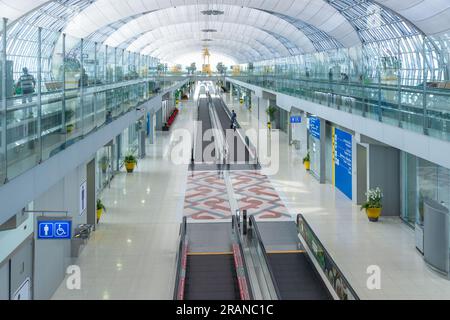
{"points": [[132, 254]]}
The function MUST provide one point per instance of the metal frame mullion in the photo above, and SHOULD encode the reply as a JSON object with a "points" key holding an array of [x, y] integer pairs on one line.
{"points": [[82, 85], [39, 93], [4, 101]]}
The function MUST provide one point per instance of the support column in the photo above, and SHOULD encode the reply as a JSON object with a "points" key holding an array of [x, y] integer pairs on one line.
{"points": [[323, 151], [142, 151], [91, 193]]}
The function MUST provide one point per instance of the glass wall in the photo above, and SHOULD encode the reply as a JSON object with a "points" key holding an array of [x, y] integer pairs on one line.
{"points": [[104, 170], [422, 179], [56, 89], [23, 143], [401, 81]]}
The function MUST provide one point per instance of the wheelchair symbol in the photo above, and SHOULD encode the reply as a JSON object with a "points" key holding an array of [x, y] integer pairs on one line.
{"points": [[60, 231]]}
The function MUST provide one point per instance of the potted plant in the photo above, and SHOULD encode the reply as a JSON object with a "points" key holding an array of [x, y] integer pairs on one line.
{"points": [[373, 205], [271, 113], [130, 163], [307, 162], [100, 209]]}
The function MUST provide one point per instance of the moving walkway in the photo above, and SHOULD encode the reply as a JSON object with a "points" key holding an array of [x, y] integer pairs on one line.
{"points": [[216, 146], [285, 265]]}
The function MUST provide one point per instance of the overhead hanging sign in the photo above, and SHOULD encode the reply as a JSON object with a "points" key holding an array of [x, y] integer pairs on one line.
{"points": [[54, 229], [343, 162]]}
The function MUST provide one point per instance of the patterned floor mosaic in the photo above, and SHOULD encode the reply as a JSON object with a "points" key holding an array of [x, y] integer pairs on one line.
{"points": [[255, 193], [206, 197]]}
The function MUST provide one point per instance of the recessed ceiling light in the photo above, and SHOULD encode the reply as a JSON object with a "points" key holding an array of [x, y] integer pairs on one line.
{"points": [[212, 12], [209, 30]]}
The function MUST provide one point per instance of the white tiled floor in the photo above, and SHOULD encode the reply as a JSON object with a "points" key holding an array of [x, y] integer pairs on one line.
{"points": [[353, 241], [132, 254]]}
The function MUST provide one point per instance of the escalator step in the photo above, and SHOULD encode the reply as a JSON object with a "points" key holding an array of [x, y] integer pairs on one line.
{"points": [[211, 277]]}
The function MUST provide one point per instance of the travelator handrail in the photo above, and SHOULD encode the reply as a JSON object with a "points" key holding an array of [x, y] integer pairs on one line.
{"points": [[180, 279], [334, 275], [245, 287], [265, 256], [221, 144]]}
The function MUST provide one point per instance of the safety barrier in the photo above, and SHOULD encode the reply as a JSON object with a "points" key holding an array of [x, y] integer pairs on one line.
{"points": [[180, 281], [334, 275]]}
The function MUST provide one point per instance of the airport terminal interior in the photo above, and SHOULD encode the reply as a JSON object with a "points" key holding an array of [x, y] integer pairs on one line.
{"points": [[224, 150]]}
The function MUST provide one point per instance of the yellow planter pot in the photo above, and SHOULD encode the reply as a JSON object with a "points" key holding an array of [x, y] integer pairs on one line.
{"points": [[307, 165], [130, 166], [373, 214], [99, 214]]}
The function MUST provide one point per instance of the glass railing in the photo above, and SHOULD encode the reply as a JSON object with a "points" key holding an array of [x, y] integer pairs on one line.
{"points": [[334, 275], [422, 109], [40, 126]]}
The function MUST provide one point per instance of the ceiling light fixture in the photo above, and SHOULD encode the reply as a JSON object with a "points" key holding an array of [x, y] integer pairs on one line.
{"points": [[212, 12], [209, 30]]}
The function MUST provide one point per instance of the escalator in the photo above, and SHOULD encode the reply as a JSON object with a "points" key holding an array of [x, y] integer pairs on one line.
{"points": [[211, 265], [289, 267], [211, 277], [296, 277]]}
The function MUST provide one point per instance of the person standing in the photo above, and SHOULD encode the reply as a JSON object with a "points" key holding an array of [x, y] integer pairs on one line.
{"points": [[27, 83], [233, 120]]}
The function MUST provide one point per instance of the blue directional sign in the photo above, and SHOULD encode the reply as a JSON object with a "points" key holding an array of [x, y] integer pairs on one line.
{"points": [[343, 161], [51, 230], [296, 119], [314, 127]]}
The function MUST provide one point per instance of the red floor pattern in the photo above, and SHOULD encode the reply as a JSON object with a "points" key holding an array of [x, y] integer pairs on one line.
{"points": [[206, 197], [255, 193]]}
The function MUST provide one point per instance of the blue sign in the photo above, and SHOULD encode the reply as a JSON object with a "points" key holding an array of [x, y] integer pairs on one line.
{"points": [[51, 230], [343, 161], [314, 127], [296, 119]]}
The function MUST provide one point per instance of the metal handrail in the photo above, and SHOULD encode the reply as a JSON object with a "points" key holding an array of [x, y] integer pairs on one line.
{"points": [[265, 256], [328, 256], [236, 230], [183, 232]]}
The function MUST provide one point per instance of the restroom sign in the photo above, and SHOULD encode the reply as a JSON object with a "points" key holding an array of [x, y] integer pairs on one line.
{"points": [[54, 229], [296, 119]]}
